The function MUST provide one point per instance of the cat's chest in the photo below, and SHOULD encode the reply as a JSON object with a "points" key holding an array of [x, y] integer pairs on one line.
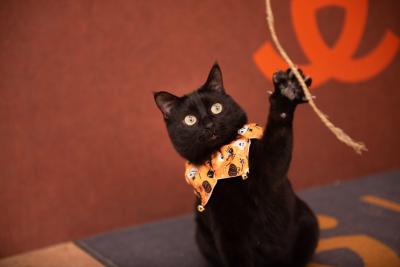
{"points": [[232, 193], [248, 198]]}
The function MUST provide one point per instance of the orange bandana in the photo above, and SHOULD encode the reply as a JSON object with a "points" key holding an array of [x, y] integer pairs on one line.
{"points": [[230, 161]]}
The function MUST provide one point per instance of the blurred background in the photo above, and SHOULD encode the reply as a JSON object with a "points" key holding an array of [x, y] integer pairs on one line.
{"points": [[84, 148]]}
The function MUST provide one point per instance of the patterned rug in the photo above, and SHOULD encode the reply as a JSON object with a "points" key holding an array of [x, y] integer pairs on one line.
{"points": [[359, 220]]}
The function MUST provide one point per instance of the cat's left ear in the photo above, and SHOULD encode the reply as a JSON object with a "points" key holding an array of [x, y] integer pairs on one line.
{"points": [[165, 102], [214, 81]]}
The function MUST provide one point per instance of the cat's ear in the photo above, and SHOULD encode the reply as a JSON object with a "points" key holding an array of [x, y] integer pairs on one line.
{"points": [[214, 81], [165, 102]]}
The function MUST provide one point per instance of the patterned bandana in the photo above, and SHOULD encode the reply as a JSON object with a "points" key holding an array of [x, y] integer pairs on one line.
{"points": [[230, 161]]}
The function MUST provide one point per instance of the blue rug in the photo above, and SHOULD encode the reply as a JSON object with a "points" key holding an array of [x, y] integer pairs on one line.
{"points": [[359, 220]]}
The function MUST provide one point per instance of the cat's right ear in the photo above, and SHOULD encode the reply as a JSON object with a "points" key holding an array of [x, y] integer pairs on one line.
{"points": [[165, 102], [214, 81]]}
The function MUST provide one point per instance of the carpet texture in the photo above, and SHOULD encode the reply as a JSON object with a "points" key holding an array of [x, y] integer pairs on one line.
{"points": [[359, 221]]}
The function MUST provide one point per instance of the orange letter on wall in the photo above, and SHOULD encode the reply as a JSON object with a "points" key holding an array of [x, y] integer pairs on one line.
{"points": [[336, 62]]}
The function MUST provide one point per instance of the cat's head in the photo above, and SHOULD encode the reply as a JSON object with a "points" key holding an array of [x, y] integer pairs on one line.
{"points": [[200, 122]]}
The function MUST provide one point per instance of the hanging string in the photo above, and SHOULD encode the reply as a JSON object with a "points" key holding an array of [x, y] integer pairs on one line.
{"points": [[358, 147]]}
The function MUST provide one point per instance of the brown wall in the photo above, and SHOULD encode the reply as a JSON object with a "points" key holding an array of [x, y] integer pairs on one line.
{"points": [[83, 147]]}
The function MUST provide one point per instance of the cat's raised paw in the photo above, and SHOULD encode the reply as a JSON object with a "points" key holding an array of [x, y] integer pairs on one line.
{"points": [[287, 86]]}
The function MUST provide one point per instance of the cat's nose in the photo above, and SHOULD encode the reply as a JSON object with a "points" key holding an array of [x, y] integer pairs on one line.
{"points": [[209, 125]]}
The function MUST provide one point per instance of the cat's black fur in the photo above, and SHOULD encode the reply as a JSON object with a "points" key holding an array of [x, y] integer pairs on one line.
{"points": [[254, 222]]}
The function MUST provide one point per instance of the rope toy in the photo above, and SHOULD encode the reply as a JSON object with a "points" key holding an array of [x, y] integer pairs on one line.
{"points": [[358, 147]]}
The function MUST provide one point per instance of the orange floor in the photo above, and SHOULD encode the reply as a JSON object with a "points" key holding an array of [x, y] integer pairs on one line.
{"points": [[60, 255]]}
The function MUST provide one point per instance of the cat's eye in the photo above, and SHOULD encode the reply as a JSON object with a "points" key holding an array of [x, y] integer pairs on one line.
{"points": [[190, 120], [216, 108]]}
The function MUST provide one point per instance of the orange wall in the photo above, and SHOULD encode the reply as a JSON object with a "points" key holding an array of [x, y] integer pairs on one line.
{"points": [[83, 147]]}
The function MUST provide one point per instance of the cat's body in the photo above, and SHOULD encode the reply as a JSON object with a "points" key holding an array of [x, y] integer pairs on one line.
{"points": [[258, 221]]}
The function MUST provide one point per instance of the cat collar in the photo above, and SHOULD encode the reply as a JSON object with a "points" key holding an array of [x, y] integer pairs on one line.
{"points": [[231, 160]]}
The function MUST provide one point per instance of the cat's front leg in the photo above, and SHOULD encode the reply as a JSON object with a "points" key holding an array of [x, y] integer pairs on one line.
{"points": [[272, 154], [235, 250]]}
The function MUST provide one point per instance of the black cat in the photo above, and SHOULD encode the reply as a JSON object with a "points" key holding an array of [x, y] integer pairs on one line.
{"points": [[254, 222]]}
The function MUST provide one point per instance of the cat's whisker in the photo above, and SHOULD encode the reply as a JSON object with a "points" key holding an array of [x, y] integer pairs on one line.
{"points": [[270, 92]]}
